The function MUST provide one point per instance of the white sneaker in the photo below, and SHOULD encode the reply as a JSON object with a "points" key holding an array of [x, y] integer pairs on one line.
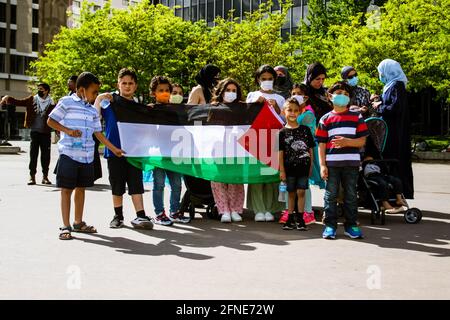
{"points": [[236, 217], [260, 217], [225, 218], [269, 217]]}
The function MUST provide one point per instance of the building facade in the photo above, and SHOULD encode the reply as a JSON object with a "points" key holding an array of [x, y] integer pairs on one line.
{"points": [[208, 10]]}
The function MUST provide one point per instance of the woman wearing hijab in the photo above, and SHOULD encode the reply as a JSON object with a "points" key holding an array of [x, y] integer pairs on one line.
{"points": [[393, 108], [359, 97], [283, 82], [315, 76], [206, 79]]}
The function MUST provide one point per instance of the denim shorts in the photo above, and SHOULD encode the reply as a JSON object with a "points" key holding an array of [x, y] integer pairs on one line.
{"points": [[296, 183]]}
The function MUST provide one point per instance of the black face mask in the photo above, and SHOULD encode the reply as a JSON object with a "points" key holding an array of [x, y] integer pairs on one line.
{"points": [[281, 80], [41, 94]]}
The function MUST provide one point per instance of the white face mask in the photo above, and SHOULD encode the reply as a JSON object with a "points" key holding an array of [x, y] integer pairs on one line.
{"points": [[299, 98], [267, 85], [229, 97]]}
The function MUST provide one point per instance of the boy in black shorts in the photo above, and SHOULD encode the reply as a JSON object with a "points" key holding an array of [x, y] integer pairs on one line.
{"points": [[295, 157], [121, 172]]}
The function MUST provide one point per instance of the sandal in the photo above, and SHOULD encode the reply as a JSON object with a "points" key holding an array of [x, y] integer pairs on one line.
{"points": [[65, 233], [83, 228]]}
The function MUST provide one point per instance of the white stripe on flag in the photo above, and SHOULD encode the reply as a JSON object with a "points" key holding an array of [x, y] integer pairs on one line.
{"points": [[344, 157], [152, 140]]}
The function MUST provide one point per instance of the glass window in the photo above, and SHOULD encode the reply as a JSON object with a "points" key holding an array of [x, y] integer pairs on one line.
{"points": [[219, 8], [255, 5], [227, 8], [285, 34], [237, 8], [210, 11], [179, 3], [2, 12], [296, 15], [2, 62], [35, 23], [245, 6], [12, 39], [179, 12], [35, 42], [14, 14], [2, 37], [186, 14], [202, 10], [194, 13], [36, 1], [276, 5]]}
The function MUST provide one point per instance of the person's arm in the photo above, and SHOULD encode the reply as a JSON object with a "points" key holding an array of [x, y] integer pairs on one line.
{"points": [[117, 152], [282, 169], [59, 127], [196, 96], [322, 161], [26, 102], [341, 142], [390, 104], [100, 98]]}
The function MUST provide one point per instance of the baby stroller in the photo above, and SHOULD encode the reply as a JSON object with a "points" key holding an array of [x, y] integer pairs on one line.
{"points": [[198, 195], [367, 189]]}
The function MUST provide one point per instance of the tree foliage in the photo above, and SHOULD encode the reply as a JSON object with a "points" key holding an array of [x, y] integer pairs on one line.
{"points": [[153, 41]]}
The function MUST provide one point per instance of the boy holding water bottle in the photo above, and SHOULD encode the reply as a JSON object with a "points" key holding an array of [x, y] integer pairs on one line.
{"points": [[77, 120], [121, 172], [295, 158]]}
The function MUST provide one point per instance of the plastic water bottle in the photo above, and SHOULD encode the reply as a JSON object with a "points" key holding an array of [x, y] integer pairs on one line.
{"points": [[77, 143], [105, 103], [282, 192]]}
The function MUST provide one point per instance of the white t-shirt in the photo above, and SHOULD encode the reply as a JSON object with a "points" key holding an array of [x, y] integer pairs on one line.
{"points": [[254, 95]]}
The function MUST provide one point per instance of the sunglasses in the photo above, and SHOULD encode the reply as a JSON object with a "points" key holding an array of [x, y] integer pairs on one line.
{"points": [[351, 77]]}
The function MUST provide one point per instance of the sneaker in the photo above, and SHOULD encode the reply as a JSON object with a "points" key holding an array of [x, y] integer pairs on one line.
{"points": [[260, 217], [162, 219], [236, 217], [353, 232], [309, 218], [179, 217], [226, 218], [269, 217], [284, 217], [116, 222], [301, 226], [329, 233], [142, 223], [290, 223]]}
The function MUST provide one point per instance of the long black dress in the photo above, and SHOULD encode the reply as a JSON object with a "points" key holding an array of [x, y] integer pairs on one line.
{"points": [[395, 111]]}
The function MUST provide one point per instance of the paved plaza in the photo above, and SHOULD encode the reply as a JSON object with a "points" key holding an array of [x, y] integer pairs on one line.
{"points": [[210, 260]]}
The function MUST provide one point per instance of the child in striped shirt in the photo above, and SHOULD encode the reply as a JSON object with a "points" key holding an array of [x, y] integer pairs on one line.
{"points": [[341, 133]]}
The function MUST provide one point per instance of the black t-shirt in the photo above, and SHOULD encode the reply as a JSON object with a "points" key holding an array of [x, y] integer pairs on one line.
{"points": [[295, 144]]}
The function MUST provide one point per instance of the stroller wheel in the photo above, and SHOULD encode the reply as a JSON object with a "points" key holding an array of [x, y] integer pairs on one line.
{"points": [[413, 215]]}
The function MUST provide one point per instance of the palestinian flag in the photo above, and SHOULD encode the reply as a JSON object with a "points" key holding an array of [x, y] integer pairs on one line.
{"points": [[229, 143]]}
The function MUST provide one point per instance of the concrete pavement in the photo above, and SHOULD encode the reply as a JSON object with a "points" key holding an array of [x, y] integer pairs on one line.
{"points": [[209, 260]]}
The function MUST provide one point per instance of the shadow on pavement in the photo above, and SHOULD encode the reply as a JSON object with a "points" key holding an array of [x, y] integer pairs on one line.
{"points": [[429, 236]]}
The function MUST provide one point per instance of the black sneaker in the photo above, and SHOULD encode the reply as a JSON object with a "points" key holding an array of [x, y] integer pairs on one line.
{"points": [[301, 226], [290, 223], [179, 217], [117, 222]]}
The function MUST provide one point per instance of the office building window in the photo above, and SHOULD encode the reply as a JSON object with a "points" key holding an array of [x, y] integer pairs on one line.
{"points": [[2, 37], [20, 64], [12, 39], [77, 4], [36, 1], [2, 63], [210, 11], [13, 14], [35, 42], [227, 7], [35, 18], [219, 8], [237, 8], [202, 13], [2, 12]]}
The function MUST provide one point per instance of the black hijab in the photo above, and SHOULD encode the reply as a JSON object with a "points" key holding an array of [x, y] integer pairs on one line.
{"points": [[205, 78], [317, 97], [283, 85]]}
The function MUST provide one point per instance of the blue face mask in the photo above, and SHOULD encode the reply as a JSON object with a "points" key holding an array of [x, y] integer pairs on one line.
{"points": [[382, 79], [340, 100], [353, 81]]}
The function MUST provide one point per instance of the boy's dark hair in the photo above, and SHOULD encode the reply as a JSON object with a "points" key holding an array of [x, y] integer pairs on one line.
{"points": [[157, 80], [263, 69], [73, 78], [85, 79], [45, 86], [178, 86], [220, 90], [300, 86], [340, 85], [291, 100], [127, 72]]}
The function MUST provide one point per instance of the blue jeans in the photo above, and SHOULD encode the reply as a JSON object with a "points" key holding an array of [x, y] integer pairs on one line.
{"points": [[348, 178], [159, 178]]}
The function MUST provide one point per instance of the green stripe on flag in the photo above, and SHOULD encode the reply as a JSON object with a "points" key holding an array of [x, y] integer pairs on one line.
{"points": [[225, 170]]}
